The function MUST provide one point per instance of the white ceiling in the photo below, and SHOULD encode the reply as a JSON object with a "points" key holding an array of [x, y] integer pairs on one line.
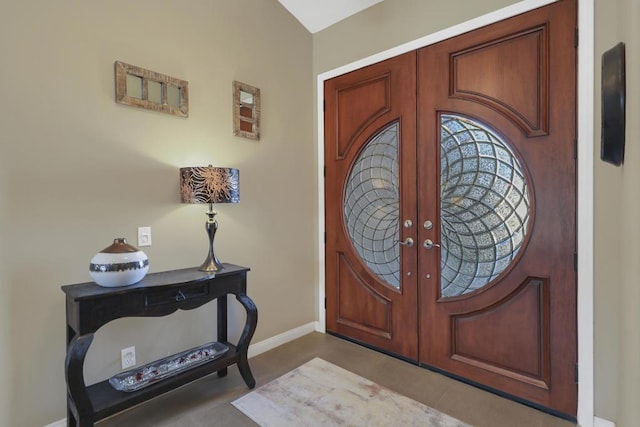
{"points": [[317, 15]]}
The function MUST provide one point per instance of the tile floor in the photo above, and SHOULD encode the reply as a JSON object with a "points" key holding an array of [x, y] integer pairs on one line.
{"points": [[206, 402]]}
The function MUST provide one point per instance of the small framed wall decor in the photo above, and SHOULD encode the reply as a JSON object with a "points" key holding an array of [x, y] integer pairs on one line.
{"points": [[138, 87], [246, 110], [613, 105]]}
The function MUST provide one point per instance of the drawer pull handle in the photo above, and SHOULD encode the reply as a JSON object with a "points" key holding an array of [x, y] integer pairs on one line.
{"points": [[180, 296]]}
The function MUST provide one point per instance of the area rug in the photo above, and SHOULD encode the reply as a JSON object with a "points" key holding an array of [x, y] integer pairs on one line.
{"points": [[319, 393]]}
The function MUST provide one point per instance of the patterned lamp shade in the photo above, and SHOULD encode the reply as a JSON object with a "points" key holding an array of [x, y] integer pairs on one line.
{"points": [[209, 184]]}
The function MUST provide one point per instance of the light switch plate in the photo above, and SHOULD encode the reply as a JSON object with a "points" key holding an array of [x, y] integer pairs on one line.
{"points": [[144, 236]]}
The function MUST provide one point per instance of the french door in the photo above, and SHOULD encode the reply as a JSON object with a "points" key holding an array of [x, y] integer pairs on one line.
{"points": [[450, 206]]}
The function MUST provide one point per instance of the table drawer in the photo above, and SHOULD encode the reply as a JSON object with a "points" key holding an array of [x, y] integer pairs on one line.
{"points": [[177, 295]]}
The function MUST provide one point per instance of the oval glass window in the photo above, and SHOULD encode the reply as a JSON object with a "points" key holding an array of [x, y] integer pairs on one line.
{"points": [[484, 205], [371, 204]]}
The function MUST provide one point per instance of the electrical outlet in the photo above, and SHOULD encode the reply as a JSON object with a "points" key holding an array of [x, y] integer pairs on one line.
{"points": [[144, 236], [128, 357]]}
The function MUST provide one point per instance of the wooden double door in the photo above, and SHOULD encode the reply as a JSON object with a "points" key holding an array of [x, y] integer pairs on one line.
{"points": [[450, 206]]}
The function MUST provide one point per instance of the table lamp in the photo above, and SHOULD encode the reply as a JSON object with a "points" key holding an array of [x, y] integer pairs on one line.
{"points": [[209, 184]]}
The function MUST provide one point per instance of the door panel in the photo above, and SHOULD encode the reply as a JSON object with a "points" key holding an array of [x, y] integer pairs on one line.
{"points": [[522, 53], [514, 329], [519, 324], [369, 192]]}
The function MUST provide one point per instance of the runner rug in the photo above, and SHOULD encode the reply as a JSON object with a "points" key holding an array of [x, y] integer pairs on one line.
{"points": [[319, 393]]}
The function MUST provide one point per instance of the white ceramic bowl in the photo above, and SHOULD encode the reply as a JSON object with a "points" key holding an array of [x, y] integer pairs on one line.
{"points": [[118, 265]]}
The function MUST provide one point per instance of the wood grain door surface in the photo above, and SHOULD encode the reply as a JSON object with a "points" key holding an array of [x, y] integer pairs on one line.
{"points": [[486, 168], [360, 303]]}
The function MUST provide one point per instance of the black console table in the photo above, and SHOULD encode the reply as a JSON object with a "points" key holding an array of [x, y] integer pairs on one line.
{"points": [[90, 306]]}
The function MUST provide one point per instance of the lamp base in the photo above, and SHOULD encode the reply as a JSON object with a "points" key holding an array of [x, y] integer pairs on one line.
{"points": [[211, 265]]}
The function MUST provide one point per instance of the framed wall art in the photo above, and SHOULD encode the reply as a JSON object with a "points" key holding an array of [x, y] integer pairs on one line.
{"points": [[138, 87], [246, 110], [613, 105]]}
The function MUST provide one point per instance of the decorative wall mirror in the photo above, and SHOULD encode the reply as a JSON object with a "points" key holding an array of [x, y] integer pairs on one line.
{"points": [[246, 110], [143, 88]]}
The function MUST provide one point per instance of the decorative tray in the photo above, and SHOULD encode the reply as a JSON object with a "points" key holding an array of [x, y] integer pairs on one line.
{"points": [[153, 372]]}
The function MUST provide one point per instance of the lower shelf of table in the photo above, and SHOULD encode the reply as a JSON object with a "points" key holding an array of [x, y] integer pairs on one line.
{"points": [[107, 401]]}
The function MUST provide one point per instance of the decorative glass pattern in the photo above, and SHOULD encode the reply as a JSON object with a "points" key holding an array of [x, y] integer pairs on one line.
{"points": [[371, 205], [485, 205]]}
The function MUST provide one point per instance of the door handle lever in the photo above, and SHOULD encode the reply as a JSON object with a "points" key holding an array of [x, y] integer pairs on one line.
{"points": [[428, 244], [407, 242]]}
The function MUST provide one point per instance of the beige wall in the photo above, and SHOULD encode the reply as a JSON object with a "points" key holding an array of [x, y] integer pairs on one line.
{"points": [[5, 320], [629, 291], [617, 233], [77, 170], [389, 24], [607, 248]]}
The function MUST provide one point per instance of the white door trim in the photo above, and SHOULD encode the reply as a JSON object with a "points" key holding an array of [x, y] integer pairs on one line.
{"points": [[585, 173]]}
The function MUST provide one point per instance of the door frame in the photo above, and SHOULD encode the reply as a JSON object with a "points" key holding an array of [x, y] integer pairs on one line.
{"points": [[585, 187]]}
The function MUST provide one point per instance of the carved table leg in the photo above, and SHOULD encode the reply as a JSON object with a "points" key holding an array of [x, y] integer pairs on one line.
{"points": [[78, 401], [245, 338], [222, 327]]}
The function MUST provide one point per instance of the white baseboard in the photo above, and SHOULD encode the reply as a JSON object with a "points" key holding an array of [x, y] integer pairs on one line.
{"points": [[254, 350], [601, 422], [283, 338]]}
